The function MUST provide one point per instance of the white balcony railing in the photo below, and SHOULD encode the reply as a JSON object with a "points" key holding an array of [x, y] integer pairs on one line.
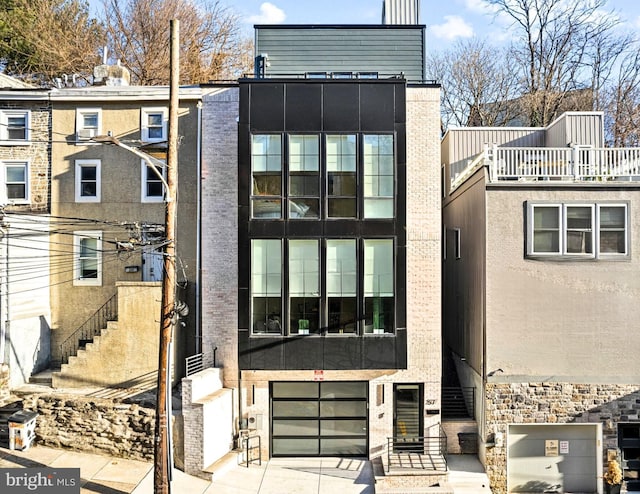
{"points": [[573, 164]]}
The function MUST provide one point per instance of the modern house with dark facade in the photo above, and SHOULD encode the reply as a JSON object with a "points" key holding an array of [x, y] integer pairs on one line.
{"points": [[539, 277], [321, 245]]}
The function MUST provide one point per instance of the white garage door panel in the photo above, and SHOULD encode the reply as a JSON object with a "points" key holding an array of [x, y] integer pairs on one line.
{"points": [[530, 470]]}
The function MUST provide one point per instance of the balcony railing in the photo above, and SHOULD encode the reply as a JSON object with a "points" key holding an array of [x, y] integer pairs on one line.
{"points": [[568, 164]]}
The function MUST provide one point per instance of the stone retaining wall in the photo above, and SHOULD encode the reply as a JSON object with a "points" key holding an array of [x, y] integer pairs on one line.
{"points": [[550, 403], [93, 425]]}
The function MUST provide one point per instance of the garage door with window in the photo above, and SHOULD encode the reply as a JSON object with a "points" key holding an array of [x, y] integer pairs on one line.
{"points": [[319, 418]]}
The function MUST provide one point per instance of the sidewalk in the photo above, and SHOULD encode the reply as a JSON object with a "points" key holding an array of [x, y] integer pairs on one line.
{"points": [[106, 475]]}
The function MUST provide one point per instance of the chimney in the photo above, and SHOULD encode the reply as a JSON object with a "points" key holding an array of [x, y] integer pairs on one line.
{"points": [[401, 12]]}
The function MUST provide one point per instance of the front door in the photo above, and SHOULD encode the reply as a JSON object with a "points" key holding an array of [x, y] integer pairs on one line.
{"points": [[408, 422]]}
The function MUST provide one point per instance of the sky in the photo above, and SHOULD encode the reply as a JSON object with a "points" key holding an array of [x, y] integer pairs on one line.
{"points": [[446, 20]]}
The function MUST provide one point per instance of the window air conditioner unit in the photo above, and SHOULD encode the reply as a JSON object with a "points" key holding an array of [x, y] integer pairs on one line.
{"points": [[86, 134]]}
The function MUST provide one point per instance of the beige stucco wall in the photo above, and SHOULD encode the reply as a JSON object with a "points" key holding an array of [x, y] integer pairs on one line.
{"points": [[125, 354], [120, 204], [557, 320]]}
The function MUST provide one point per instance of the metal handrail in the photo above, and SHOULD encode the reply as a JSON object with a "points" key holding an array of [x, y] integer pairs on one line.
{"points": [[432, 446], [89, 329], [246, 446]]}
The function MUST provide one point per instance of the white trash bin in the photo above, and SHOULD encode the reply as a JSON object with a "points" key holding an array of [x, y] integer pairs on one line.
{"points": [[22, 429]]}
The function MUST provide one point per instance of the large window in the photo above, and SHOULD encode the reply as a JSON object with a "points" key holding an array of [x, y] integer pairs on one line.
{"points": [[266, 176], [378, 286], [342, 286], [347, 300], [342, 176], [266, 286], [14, 126], [578, 230], [331, 176], [88, 182], [16, 181], [87, 258], [304, 286], [378, 176], [304, 176]]}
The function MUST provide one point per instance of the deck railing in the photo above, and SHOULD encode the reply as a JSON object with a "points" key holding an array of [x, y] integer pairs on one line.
{"points": [[574, 164]]}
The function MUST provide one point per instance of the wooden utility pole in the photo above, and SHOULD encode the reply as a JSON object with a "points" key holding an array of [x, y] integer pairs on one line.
{"points": [[161, 482]]}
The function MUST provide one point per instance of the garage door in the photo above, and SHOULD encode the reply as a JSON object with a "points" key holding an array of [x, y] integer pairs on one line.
{"points": [[319, 418], [553, 458]]}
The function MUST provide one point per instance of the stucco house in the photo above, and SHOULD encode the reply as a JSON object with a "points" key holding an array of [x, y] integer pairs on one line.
{"points": [[108, 205], [539, 262]]}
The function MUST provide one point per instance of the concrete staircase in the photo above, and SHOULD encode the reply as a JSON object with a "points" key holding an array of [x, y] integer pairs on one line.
{"points": [[125, 354]]}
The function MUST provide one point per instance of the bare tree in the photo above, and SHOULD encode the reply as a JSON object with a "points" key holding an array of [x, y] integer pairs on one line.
{"points": [[211, 45], [42, 39], [554, 46], [478, 84], [622, 103]]}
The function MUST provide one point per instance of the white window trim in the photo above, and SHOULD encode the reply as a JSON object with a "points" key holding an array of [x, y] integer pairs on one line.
{"points": [[144, 127], [77, 279], [4, 127], [627, 250], [594, 232], [595, 229], [4, 197], [143, 184], [85, 140], [78, 186]]}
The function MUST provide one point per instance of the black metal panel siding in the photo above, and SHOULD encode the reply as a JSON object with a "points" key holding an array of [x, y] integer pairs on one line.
{"points": [[383, 49], [280, 106]]}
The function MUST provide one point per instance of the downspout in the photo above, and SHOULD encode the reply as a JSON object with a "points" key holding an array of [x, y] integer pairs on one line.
{"points": [[4, 297], [198, 346]]}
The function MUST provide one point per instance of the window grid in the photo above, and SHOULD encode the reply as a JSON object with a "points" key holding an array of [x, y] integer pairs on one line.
{"points": [[379, 180], [591, 230], [15, 126], [153, 124], [152, 186], [266, 171], [334, 304], [16, 179], [88, 181], [88, 258], [304, 176]]}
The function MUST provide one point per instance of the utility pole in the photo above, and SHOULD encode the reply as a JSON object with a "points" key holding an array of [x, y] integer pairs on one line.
{"points": [[161, 483]]}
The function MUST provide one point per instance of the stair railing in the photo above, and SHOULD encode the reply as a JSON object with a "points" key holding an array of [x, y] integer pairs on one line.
{"points": [[88, 330]]}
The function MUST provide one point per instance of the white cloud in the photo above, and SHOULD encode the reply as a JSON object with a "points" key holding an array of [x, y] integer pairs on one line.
{"points": [[454, 27], [269, 14]]}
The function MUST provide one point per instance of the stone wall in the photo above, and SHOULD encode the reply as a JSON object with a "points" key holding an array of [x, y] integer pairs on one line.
{"points": [[94, 425], [553, 403]]}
